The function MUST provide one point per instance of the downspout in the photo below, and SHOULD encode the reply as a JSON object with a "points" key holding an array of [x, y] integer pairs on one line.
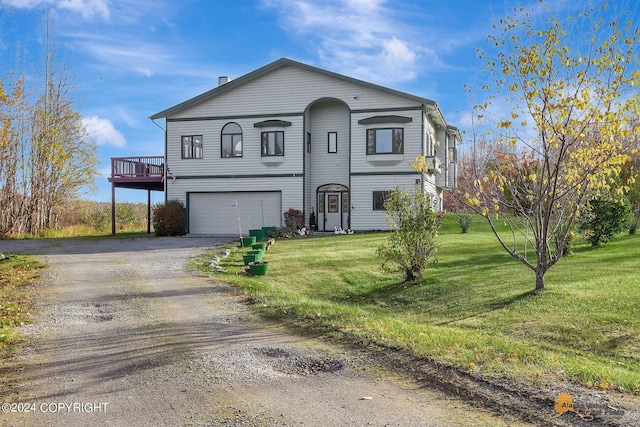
{"points": [[304, 167]]}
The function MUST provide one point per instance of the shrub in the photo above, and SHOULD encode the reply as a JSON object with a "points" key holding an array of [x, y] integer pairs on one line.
{"points": [[464, 221], [101, 218], [605, 219], [284, 232], [127, 216], [294, 219], [414, 228], [170, 219]]}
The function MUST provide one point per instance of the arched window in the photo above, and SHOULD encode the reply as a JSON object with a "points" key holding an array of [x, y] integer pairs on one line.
{"points": [[231, 140]]}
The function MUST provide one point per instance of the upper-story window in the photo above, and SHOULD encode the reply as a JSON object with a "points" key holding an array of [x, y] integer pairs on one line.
{"points": [[231, 145], [272, 143], [192, 147], [385, 141], [332, 140]]}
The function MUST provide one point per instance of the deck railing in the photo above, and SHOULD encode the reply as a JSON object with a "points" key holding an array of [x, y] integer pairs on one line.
{"points": [[146, 167]]}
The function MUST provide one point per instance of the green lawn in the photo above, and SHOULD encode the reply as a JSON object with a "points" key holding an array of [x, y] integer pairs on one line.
{"points": [[15, 297], [475, 309]]}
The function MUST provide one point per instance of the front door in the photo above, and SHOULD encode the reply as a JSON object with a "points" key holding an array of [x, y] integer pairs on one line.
{"points": [[333, 207], [334, 211]]}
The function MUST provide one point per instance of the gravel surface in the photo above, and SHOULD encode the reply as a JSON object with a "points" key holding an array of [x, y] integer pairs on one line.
{"points": [[124, 335]]}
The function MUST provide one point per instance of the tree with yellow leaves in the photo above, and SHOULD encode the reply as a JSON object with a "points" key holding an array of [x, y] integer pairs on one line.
{"points": [[46, 156], [570, 89]]}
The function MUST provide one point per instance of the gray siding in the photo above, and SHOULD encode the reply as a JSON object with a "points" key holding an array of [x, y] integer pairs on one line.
{"points": [[291, 89], [363, 163], [250, 163], [329, 168], [363, 217]]}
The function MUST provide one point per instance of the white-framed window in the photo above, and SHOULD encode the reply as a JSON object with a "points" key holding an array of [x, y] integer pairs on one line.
{"points": [[231, 141], [385, 141], [192, 146]]}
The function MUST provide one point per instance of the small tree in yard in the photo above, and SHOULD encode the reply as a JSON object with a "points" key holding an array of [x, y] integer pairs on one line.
{"points": [[464, 221], [170, 219], [568, 88], [629, 174], [605, 219], [414, 227]]}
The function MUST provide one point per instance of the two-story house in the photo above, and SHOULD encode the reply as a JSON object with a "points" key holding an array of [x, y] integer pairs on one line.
{"points": [[289, 135]]}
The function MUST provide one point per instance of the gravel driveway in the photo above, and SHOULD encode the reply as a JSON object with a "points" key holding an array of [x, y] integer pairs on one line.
{"points": [[124, 335]]}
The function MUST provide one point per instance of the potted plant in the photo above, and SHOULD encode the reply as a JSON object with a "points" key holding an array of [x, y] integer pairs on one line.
{"points": [[258, 268]]}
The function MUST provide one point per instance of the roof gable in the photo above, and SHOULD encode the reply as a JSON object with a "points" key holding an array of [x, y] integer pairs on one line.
{"points": [[282, 62]]}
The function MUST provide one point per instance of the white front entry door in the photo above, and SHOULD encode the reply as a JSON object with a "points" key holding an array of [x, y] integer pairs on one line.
{"points": [[333, 208]]}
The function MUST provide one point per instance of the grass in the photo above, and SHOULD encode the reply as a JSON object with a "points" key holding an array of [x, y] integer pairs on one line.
{"points": [[83, 231], [16, 272], [474, 310]]}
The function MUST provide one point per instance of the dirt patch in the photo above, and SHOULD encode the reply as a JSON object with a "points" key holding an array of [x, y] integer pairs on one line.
{"points": [[121, 323], [268, 363]]}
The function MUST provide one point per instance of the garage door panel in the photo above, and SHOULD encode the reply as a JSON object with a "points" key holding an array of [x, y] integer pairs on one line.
{"points": [[216, 213]]}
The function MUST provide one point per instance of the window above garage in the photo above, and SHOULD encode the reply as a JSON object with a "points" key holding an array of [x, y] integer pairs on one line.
{"points": [[272, 143]]}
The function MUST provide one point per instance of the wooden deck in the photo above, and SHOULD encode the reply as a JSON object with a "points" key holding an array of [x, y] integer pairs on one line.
{"points": [[144, 173], [138, 173]]}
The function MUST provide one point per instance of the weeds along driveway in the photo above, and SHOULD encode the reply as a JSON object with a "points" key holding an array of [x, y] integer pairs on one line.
{"points": [[124, 335]]}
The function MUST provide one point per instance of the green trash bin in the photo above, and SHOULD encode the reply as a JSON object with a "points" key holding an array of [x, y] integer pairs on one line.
{"points": [[247, 242], [258, 268], [249, 258], [261, 246], [257, 252], [258, 234]]}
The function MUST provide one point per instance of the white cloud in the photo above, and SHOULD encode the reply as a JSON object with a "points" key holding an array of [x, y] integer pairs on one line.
{"points": [[118, 55], [103, 132], [144, 71], [361, 38], [397, 55], [87, 8]]}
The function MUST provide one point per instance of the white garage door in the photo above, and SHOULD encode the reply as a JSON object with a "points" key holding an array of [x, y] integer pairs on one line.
{"points": [[216, 213]]}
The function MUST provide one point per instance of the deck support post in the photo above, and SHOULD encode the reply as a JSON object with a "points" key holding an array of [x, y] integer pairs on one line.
{"points": [[148, 211], [113, 209]]}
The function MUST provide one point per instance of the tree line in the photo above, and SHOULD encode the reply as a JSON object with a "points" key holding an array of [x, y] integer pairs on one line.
{"points": [[46, 155]]}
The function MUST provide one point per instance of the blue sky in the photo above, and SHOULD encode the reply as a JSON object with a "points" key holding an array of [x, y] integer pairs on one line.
{"points": [[133, 58]]}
